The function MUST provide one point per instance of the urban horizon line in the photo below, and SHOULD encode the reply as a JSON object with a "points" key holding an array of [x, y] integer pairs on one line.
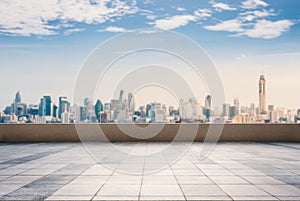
{"points": [[123, 110]]}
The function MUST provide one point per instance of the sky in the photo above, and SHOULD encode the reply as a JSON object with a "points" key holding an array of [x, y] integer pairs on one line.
{"points": [[43, 44]]}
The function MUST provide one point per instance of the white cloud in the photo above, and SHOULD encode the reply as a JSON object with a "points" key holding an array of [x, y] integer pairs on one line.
{"points": [[252, 15], [222, 6], [70, 31], [202, 13], [234, 25], [181, 20], [174, 21], [268, 29], [114, 29], [252, 4], [262, 28], [180, 9], [45, 17], [150, 17]]}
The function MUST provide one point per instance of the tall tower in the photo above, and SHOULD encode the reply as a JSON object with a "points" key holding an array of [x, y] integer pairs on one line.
{"points": [[208, 102], [121, 95], [18, 97], [131, 102], [262, 105]]}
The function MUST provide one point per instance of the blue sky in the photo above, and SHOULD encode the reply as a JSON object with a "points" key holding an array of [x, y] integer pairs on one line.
{"points": [[44, 43]]}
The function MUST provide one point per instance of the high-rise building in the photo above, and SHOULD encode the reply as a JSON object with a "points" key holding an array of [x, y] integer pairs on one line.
{"points": [[18, 97], [88, 103], [45, 106], [33, 110], [98, 109], [262, 106], [65, 117], [233, 111], [107, 106], [75, 113], [236, 103], [14, 105], [131, 102], [21, 109], [207, 109], [226, 110], [148, 108], [84, 114], [63, 106], [121, 95], [252, 110], [54, 110], [157, 114], [208, 102]]}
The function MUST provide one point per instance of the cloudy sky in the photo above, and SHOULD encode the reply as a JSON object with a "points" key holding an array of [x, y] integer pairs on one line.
{"points": [[44, 43]]}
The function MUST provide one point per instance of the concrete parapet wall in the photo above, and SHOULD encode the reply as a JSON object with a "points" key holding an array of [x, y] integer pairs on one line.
{"points": [[68, 132]]}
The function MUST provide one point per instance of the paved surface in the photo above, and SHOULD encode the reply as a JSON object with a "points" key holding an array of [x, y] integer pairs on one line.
{"points": [[233, 171]]}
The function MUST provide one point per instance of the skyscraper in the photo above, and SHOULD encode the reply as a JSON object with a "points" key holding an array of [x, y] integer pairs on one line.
{"points": [[226, 110], [98, 108], [208, 102], [236, 103], [131, 102], [262, 106], [233, 111], [121, 96], [45, 106], [18, 97], [14, 105], [207, 109], [63, 106]]}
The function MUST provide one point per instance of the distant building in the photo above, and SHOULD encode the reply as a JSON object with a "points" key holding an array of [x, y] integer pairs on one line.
{"points": [[45, 106], [65, 117], [18, 97], [157, 114], [236, 103], [7, 110], [131, 103], [75, 114], [121, 95], [17, 107], [33, 110], [262, 105], [21, 109], [107, 106], [88, 103], [54, 110], [208, 101], [63, 105], [83, 114], [226, 110], [148, 108], [98, 109], [233, 111]]}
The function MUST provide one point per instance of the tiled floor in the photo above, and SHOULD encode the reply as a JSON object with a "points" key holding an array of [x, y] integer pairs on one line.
{"points": [[233, 171]]}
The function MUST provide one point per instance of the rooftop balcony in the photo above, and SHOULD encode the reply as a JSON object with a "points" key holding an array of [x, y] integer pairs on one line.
{"points": [[47, 162]]}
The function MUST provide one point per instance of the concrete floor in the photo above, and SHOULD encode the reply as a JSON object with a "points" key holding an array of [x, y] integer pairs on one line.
{"points": [[233, 171]]}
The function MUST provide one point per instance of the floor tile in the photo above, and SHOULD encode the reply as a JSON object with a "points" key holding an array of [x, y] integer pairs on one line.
{"points": [[228, 180], [281, 190], [160, 190], [119, 190], [74, 190], [202, 191], [243, 190]]}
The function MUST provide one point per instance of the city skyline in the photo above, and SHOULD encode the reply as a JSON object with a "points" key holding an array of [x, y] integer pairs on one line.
{"points": [[123, 109], [44, 56], [161, 91]]}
